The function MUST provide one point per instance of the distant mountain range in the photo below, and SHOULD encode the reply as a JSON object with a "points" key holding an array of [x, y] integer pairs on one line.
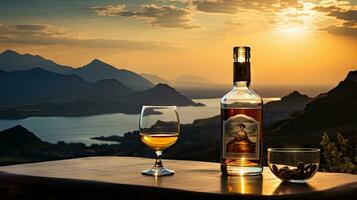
{"points": [[33, 86], [40, 86], [97, 70], [92, 72], [192, 86], [99, 103], [155, 79], [182, 81], [12, 61], [191, 80]]}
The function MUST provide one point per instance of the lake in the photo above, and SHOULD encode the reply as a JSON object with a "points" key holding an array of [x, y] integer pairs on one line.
{"points": [[81, 129]]}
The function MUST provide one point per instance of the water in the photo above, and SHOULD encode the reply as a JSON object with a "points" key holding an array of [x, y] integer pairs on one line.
{"points": [[81, 129]]}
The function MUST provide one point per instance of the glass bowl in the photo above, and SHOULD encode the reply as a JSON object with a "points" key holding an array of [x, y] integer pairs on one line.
{"points": [[295, 165]]}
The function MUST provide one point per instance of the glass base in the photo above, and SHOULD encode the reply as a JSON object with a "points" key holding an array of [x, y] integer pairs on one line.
{"points": [[160, 171]]}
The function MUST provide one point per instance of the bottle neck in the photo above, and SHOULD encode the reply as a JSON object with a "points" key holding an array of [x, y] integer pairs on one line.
{"points": [[241, 73], [241, 84]]}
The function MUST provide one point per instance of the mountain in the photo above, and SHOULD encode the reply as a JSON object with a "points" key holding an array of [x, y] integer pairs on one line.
{"points": [[17, 138], [332, 112], [352, 76], [19, 145], [94, 71], [161, 94], [278, 110], [13, 61], [190, 79], [38, 86], [100, 103], [97, 70], [155, 79], [111, 87]]}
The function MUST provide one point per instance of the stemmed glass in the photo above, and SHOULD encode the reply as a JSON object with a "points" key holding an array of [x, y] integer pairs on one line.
{"points": [[159, 129]]}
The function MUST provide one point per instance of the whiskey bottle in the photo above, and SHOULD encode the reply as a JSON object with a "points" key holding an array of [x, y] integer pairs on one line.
{"points": [[241, 122]]}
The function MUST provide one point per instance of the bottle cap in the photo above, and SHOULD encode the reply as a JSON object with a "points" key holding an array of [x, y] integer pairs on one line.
{"points": [[241, 53]]}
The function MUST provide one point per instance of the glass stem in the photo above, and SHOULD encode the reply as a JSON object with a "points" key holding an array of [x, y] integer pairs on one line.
{"points": [[158, 162]]}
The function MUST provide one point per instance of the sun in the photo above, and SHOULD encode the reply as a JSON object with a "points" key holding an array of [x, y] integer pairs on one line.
{"points": [[292, 29], [297, 20]]}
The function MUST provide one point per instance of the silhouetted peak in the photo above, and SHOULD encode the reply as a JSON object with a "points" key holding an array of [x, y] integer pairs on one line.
{"points": [[9, 52], [295, 96], [97, 62], [19, 138], [18, 131], [18, 128], [161, 86], [295, 93], [351, 76]]}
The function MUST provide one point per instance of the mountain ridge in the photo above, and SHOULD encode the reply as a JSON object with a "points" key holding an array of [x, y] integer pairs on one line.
{"points": [[11, 60], [97, 70], [278, 110], [334, 111], [94, 104], [37, 85]]}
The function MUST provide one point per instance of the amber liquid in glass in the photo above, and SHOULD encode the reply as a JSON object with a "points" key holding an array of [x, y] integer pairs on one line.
{"points": [[158, 141]]}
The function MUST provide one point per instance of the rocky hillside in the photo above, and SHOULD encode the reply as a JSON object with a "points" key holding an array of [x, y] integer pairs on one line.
{"points": [[277, 110], [17, 138], [332, 112]]}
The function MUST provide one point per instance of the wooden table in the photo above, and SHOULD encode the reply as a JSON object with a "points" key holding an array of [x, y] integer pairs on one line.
{"points": [[114, 177]]}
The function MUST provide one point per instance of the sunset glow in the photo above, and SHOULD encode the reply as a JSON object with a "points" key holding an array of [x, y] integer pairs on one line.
{"points": [[292, 42]]}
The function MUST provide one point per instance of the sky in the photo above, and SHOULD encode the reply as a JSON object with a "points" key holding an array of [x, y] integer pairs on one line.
{"points": [[293, 42]]}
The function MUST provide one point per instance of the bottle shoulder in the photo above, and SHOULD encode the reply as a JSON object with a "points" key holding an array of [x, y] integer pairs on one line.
{"points": [[242, 97]]}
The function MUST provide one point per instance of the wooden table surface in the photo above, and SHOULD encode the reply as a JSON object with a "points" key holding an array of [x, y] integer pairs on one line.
{"points": [[109, 177]]}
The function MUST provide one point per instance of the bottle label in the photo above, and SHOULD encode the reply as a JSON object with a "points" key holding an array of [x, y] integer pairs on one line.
{"points": [[241, 71], [240, 137]]}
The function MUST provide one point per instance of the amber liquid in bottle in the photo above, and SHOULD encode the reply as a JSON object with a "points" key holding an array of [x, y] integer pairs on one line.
{"points": [[231, 166], [241, 122]]}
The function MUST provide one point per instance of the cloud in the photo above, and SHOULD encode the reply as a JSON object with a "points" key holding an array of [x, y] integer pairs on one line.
{"points": [[109, 10], [339, 13], [341, 30], [233, 6], [348, 17], [168, 16], [38, 34], [30, 30], [223, 6]]}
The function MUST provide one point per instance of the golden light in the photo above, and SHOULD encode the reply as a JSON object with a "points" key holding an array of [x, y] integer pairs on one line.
{"points": [[297, 20], [292, 30]]}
